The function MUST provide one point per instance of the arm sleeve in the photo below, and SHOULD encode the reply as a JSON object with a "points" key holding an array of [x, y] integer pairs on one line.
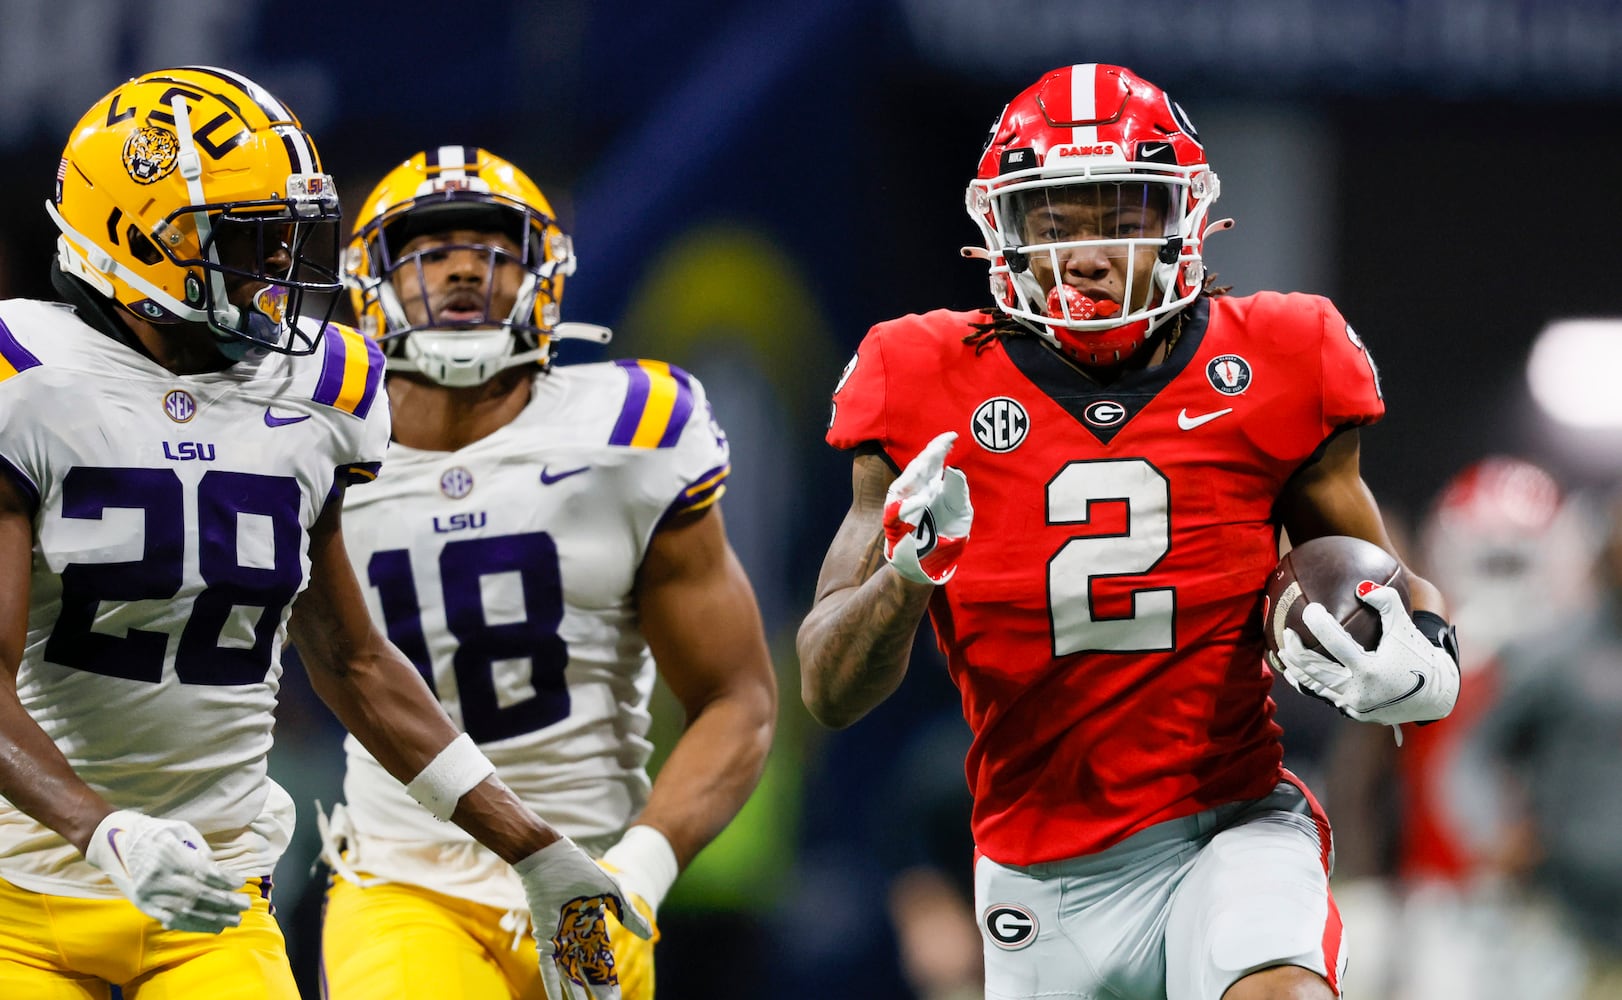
{"points": [[1351, 382], [859, 415], [703, 457]]}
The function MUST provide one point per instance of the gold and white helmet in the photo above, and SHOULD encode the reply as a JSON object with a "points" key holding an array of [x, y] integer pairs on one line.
{"points": [[182, 181], [460, 188]]}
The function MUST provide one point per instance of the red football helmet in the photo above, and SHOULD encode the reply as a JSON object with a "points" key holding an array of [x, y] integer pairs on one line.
{"points": [[1102, 138], [1500, 539]]}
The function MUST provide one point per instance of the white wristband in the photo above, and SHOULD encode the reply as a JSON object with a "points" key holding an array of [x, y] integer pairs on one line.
{"points": [[454, 772], [646, 863]]}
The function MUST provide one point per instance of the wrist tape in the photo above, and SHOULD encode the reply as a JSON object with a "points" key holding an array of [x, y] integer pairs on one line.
{"points": [[454, 772]]}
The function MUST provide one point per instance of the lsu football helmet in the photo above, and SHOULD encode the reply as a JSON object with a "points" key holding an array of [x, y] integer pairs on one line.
{"points": [[1100, 137], [459, 188], [184, 183]]}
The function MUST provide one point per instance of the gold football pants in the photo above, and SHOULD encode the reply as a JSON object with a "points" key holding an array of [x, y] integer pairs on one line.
{"points": [[65, 948], [400, 942]]}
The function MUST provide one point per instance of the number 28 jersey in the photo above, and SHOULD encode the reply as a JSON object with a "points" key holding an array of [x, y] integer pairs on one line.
{"points": [[505, 571], [171, 535], [1103, 626]]}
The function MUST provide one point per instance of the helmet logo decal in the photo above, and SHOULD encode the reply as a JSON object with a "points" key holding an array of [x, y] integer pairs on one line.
{"points": [[1000, 424], [179, 406], [150, 154], [1229, 374], [456, 482], [1104, 413]]}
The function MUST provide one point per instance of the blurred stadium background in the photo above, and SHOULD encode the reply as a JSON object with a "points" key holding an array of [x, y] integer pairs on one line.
{"points": [[750, 186]]}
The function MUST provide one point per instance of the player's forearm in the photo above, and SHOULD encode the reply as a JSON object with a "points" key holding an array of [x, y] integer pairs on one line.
{"points": [[383, 702], [36, 778], [712, 770], [855, 643]]}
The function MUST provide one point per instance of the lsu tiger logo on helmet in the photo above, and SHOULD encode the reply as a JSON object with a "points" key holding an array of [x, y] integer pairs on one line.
{"points": [[181, 179], [402, 230], [150, 153], [581, 944]]}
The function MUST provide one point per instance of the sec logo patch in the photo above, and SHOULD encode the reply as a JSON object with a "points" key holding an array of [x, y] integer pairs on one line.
{"points": [[1009, 926], [1000, 424]]}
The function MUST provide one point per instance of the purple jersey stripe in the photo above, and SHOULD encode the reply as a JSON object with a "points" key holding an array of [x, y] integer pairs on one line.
{"points": [[332, 367], [374, 377], [636, 400], [14, 352], [681, 410]]}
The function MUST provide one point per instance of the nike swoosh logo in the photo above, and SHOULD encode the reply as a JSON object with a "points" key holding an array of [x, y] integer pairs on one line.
{"points": [[1145, 152], [112, 841], [548, 478], [1188, 423], [1419, 685], [272, 420]]}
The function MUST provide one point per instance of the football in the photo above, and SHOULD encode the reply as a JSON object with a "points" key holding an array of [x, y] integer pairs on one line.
{"points": [[1331, 571]]}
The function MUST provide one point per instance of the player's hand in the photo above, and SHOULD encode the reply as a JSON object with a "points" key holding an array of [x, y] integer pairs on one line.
{"points": [[166, 869], [927, 515], [1406, 678], [569, 896]]}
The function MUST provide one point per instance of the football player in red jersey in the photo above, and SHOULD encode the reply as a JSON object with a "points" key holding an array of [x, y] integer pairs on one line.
{"points": [[1135, 442]]}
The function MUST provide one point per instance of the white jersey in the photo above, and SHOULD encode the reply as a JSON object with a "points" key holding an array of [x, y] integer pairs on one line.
{"points": [[505, 571], [171, 535]]}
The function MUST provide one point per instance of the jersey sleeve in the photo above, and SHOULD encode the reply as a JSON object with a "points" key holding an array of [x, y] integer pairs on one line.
{"points": [[21, 450], [351, 383], [1351, 382], [858, 414], [665, 416]]}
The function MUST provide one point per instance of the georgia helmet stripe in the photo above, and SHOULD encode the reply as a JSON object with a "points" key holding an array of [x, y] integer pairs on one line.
{"points": [[1083, 103]]}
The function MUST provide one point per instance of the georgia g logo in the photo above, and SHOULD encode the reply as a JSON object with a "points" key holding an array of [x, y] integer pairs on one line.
{"points": [[150, 154], [581, 946], [1009, 926]]}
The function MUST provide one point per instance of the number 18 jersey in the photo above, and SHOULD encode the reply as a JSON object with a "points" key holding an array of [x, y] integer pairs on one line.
{"points": [[505, 571], [171, 535], [1103, 626]]}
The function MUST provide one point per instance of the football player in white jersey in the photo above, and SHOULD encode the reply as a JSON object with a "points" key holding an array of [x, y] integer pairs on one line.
{"points": [[542, 540], [175, 441]]}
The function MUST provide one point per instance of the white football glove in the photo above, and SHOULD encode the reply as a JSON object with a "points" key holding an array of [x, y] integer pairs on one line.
{"points": [[927, 515], [1406, 678], [166, 869], [568, 891]]}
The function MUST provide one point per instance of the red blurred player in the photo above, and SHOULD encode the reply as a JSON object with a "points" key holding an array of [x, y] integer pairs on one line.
{"points": [[1509, 554], [1135, 440]]}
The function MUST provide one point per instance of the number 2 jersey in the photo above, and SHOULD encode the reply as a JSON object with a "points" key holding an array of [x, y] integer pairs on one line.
{"points": [[1103, 627], [505, 571], [171, 535]]}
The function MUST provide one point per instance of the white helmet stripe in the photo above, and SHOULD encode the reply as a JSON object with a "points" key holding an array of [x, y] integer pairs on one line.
{"points": [[274, 110], [1083, 103], [298, 148], [453, 161]]}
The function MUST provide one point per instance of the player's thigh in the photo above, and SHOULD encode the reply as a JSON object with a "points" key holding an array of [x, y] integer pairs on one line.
{"points": [[395, 942], [1257, 897], [1089, 927], [45, 941], [248, 962], [633, 958]]}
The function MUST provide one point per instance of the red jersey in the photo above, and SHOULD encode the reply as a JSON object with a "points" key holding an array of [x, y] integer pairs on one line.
{"points": [[1104, 624]]}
